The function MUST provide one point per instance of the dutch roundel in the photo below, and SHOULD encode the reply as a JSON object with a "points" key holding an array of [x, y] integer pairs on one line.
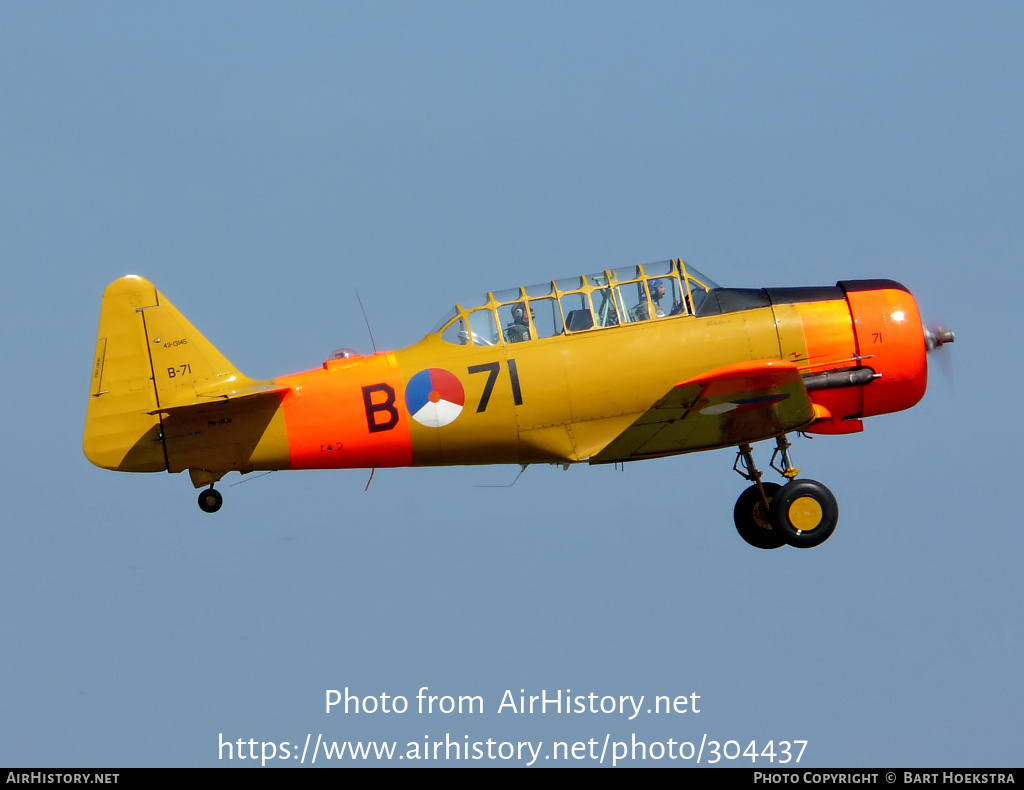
{"points": [[434, 397]]}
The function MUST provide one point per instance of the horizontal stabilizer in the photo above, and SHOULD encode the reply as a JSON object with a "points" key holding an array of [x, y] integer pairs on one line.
{"points": [[253, 391]]}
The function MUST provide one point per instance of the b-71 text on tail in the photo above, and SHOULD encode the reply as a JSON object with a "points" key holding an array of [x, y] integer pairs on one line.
{"points": [[619, 365]]}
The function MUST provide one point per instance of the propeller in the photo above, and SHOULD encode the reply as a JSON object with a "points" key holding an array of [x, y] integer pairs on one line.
{"points": [[935, 337]]}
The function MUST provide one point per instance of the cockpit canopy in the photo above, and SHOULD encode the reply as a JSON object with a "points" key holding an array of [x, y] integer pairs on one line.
{"points": [[626, 295]]}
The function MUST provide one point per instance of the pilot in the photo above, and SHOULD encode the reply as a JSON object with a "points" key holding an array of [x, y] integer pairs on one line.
{"points": [[657, 290], [519, 329]]}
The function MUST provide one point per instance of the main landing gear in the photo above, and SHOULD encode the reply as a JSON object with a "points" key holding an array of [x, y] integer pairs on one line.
{"points": [[210, 500], [801, 513]]}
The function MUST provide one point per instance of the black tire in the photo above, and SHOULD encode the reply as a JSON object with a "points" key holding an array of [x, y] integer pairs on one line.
{"points": [[210, 500], [804, 513], [753, 522]]}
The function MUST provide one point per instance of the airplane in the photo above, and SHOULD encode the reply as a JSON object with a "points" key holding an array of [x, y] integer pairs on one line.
{"points": [[637, 362]]}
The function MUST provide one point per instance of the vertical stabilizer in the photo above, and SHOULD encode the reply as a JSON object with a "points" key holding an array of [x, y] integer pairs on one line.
{"points": [[148, 359]]}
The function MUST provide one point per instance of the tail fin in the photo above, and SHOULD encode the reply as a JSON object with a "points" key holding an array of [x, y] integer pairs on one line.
{"points": [[148, 359]]}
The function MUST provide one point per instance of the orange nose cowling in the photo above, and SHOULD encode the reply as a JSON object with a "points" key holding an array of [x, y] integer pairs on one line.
{"points": [[890, 339]]}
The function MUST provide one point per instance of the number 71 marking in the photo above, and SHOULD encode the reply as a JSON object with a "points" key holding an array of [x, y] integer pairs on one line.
{"points": [[491, 369]]}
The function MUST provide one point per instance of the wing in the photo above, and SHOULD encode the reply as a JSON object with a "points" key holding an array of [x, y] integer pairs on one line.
{"points": [[727, 406]]}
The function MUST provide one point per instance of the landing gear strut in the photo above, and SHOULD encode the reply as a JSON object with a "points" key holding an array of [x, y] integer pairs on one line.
{"points": [[801, 513], [210, 500]]}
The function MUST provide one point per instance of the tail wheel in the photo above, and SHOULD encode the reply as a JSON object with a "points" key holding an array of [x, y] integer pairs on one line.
{"points": [[210, 500], [752, 519], [804, 513]]}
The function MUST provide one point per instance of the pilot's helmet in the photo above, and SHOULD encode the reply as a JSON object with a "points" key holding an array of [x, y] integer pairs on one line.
{"points": [[656, 286], [519, 313]]}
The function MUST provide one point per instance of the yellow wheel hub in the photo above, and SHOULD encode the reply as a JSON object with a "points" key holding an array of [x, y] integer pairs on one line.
{"points": [[805, 513]]}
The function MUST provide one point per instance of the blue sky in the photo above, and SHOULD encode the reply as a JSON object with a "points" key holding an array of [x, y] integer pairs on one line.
{"points": [[260, 162]]}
